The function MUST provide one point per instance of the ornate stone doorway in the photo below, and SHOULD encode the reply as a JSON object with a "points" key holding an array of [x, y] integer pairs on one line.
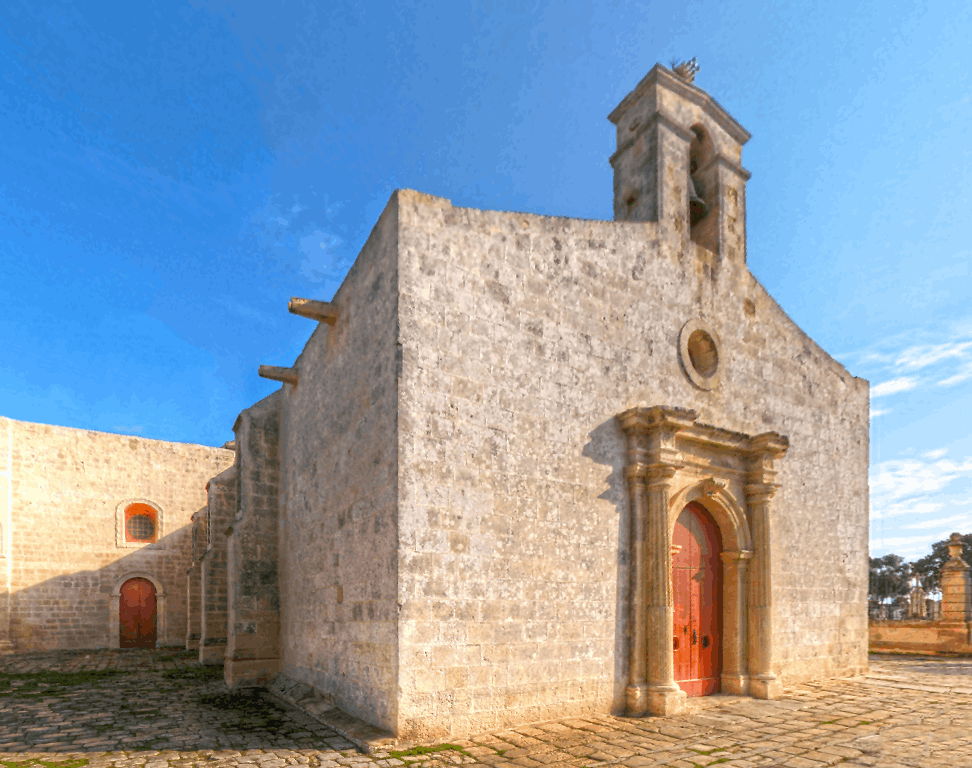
{"points": [[697, 585], [673, 462], [137, 623]]}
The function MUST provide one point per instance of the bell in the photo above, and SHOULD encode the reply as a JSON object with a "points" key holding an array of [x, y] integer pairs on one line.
{"points": [[697, 206]]}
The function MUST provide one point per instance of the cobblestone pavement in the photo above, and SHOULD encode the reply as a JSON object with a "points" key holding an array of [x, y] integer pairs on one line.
{"points": [[157, 709]]}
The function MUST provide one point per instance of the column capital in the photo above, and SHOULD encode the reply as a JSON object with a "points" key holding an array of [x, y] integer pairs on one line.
{"points": [[635, 473], [660, 473], [760, 491]]}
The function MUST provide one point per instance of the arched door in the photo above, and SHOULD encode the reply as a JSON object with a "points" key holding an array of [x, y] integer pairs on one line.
{"points": [[697, 592], [137, 617]]}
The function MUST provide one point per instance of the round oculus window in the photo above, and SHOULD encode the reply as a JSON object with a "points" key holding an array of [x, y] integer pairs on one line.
{"points": [[702, 353], [140, 527], [698, 351]]}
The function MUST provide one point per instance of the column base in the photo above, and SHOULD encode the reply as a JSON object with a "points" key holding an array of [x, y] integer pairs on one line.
{"points": [[249, 673], [735, 685], [212, 654], [765, 687], [636, 699], [665, 700]]}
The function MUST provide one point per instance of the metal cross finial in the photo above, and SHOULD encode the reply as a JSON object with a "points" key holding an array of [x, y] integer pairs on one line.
{"points": [[686, 70]]}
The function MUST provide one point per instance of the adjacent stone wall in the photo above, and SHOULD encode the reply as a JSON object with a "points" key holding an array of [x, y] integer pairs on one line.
{"points": [[213, 603], [523, 336], [920, 637], [338, 532], [62, 489], [253, 596]]}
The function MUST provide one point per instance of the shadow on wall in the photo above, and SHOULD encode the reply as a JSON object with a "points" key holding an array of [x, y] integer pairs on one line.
{"points": [[607, 446], [85, 609]]}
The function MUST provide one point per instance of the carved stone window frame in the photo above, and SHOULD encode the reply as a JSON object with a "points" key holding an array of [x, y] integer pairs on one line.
{"points": [[672, 461], [120, 539]]}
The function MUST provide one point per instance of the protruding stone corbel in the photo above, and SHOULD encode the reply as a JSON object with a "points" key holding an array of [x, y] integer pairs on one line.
{"points": [[275, 373], [322, 311], [710, 487]]}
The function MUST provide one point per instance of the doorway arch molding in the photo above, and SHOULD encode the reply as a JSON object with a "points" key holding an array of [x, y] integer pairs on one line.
{"points": [[114, 627], [671, 461]]}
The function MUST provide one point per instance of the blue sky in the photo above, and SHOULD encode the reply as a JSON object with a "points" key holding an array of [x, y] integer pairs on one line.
{"points": [[172, 173]]}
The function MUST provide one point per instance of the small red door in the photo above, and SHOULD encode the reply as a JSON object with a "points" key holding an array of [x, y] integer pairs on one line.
{"points": [[696, 587], [136, 619]]}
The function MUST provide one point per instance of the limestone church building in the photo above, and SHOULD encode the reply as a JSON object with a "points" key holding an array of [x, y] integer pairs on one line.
{"points": [[530, 467]]}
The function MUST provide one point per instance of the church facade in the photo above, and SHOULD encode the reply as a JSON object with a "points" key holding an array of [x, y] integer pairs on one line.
{"points": [[529, 467]]}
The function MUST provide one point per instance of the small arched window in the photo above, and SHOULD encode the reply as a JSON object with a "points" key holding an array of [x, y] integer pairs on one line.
{"points": [[141, 524]]}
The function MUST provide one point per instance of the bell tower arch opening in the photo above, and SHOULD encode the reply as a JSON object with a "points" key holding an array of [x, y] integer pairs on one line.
{"points": [[703, 193]]}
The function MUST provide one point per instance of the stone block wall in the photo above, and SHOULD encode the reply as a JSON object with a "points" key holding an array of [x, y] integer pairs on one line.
{"points": [[62, 490], [338, 535], [220, 513], [523, 336], [253, 594]]}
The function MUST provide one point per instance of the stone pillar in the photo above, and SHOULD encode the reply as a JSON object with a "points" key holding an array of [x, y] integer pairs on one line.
{"points": [[636, 693], [956, 584], [252, 655], [665, 697], [652, 463], [765, 450], [735, 577], [221, 511], [193, 609]]}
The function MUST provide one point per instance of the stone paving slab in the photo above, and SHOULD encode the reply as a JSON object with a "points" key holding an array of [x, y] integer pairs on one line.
{"points": [[159, 709]]}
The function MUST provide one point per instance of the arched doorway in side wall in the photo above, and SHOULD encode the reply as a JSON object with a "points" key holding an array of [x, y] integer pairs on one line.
{"points": [[697, 598], [137, 615]]}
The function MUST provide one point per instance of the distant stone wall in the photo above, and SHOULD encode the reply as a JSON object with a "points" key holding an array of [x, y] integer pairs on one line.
{"points": [[920, 637], [338, 534], [62, 493]]}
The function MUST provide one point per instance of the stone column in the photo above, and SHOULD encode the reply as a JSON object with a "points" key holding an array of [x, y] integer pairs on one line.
{"points": [[735, 672], [665, 697], [653, 461], [636, 693], [956, 584], [760, 488]]}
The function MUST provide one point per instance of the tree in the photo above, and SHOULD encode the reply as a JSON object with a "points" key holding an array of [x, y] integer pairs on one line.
{"points": [[928, 568], [890, 577]]}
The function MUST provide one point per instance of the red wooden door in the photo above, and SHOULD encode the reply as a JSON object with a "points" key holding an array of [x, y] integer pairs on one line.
{"points": [[697, 591], [136, 619]]}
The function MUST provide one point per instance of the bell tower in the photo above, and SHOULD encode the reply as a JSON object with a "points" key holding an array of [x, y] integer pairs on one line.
{"points": [[678, 163]]}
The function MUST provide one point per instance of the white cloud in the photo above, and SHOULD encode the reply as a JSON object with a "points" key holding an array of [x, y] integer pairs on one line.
{"points": [[899, 479], [904, 508], [914, 358], [936, 454], [897, 541], [964, 374], [894, 386], [879, 412], [962, 520]]}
